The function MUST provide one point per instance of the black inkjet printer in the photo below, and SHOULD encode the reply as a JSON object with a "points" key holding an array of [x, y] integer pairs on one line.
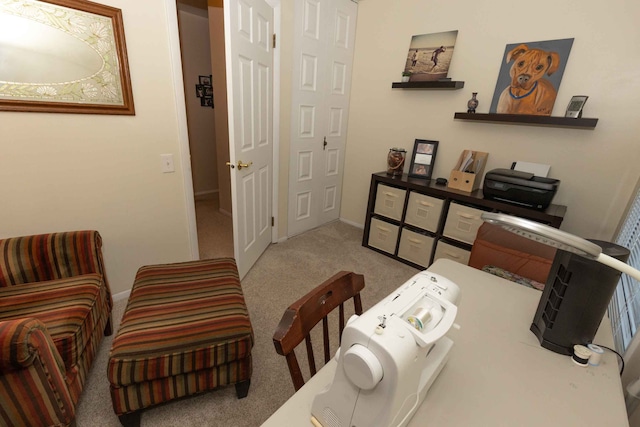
{"points": [[521, 188]]}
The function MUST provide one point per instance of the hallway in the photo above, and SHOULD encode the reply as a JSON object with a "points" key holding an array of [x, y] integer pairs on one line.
{"points": [[215, 229]]}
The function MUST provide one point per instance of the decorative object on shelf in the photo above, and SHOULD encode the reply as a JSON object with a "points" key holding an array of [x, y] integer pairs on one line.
{"points": [[395, 161], [423, 158], [467, 175], [473, 103], [429, 55], [204, 91], [74, 59], [406, 75], [530, 76], [574, 109]]}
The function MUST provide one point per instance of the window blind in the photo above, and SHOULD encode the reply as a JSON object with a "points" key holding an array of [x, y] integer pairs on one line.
{"points": [[624, 309]]}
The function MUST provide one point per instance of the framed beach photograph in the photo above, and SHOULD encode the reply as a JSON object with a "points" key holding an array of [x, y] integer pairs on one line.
{"points": [[423, 158], [430, 56]]}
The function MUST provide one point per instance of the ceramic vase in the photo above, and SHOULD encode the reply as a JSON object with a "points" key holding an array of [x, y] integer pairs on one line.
{"points": [[473, 103]]}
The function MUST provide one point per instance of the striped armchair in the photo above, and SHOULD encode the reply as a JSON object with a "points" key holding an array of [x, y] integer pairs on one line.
{"points": [[55, 305]]}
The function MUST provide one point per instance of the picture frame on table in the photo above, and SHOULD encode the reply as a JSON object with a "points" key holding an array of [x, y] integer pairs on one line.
{"points": [[423, 158]]}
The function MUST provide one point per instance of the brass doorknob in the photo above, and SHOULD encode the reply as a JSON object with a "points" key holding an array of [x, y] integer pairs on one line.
{"points": [[243, 165], [230, 164]]}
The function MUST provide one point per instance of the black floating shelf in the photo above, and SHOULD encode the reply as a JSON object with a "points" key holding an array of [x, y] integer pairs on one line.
{"points": [[448, 84], [580, 123]]}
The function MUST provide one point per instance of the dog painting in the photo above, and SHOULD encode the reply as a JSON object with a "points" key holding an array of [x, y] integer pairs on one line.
{"points": [[530, 76]]}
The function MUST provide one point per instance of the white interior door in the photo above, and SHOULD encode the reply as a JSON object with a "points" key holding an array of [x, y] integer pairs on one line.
{"points": [[324, 33], [248, 38]]}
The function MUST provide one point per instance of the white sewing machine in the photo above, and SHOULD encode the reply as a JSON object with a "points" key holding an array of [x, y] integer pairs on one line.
{"points": [[390, 356]]}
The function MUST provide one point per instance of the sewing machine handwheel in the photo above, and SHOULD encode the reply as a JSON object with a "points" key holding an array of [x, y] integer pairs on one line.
{"points": [[362, 367]]}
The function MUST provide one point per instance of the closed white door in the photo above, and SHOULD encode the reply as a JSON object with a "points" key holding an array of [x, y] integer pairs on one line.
{"points": [[248, 38], [324, 33]]}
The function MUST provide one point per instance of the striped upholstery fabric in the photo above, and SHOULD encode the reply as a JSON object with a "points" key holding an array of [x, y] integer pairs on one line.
{"points": [[185, 329], [71, 309], [141, 395], [55, 304], [50, 256], [29, 363]]}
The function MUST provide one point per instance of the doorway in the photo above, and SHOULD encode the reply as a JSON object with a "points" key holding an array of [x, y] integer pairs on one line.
{"points": [[208, 136], [255, 122]]}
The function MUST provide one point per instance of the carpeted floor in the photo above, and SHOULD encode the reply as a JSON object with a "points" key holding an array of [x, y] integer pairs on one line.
{"points": [[215, 229], [285, 272]]}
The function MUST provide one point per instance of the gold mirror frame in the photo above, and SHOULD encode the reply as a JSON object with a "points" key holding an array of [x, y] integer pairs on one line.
{"points": [[106, 90]]}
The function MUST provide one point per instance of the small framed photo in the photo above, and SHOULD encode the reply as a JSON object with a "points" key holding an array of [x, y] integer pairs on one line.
{"points": [[574, 109], [423, 158], [208, 90], [205, 80], [199, 91], [206, 101]]}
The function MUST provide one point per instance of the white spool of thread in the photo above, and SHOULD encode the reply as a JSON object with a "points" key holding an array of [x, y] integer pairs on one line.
{"points": [[581, 355], [420, 317], [596, 354]]}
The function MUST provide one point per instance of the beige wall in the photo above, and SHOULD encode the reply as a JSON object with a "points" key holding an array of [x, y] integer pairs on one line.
{"points": [[67, 171], [196, 61], [598, 168], [71, 171]]}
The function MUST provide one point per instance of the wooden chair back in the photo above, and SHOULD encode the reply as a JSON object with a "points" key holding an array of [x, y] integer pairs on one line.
{"points": [[301, 317]]}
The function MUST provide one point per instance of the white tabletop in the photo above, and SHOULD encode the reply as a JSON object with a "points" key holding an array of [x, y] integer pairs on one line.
{"points": [[498, 374]]}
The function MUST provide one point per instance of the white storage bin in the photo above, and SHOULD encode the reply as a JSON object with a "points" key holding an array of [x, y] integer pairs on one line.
{"points": [[415, 247], [462, 223], [389, 201], [454, 253], [423, 211], [383, 235]]}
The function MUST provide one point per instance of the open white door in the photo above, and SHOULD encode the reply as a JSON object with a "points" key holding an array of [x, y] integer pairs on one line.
{"points": [[248, 37]]}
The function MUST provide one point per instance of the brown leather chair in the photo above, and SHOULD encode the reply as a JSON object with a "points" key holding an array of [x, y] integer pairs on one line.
{"points": [[497, 247], [303, 315]]}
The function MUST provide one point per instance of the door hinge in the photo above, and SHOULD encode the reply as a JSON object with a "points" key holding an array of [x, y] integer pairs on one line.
{"points": [[274, 40], [273, 221]]}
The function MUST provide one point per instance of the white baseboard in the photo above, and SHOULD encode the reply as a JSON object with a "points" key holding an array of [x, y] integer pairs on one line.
{"points": [[204, 194], [121, 295], [355, 224]]}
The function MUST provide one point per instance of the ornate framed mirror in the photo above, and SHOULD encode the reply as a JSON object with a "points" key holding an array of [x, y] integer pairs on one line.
{"points": [[63, 56]]}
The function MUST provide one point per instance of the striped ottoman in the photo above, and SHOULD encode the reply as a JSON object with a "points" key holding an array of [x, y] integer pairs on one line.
{"points": [[185, 330]]}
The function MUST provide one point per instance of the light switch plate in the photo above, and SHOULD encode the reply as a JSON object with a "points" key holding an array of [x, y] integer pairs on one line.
{"points": [[167, 163]]}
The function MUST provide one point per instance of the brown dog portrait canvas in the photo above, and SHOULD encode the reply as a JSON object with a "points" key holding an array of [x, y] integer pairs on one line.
{"points": [[530, 76]]}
